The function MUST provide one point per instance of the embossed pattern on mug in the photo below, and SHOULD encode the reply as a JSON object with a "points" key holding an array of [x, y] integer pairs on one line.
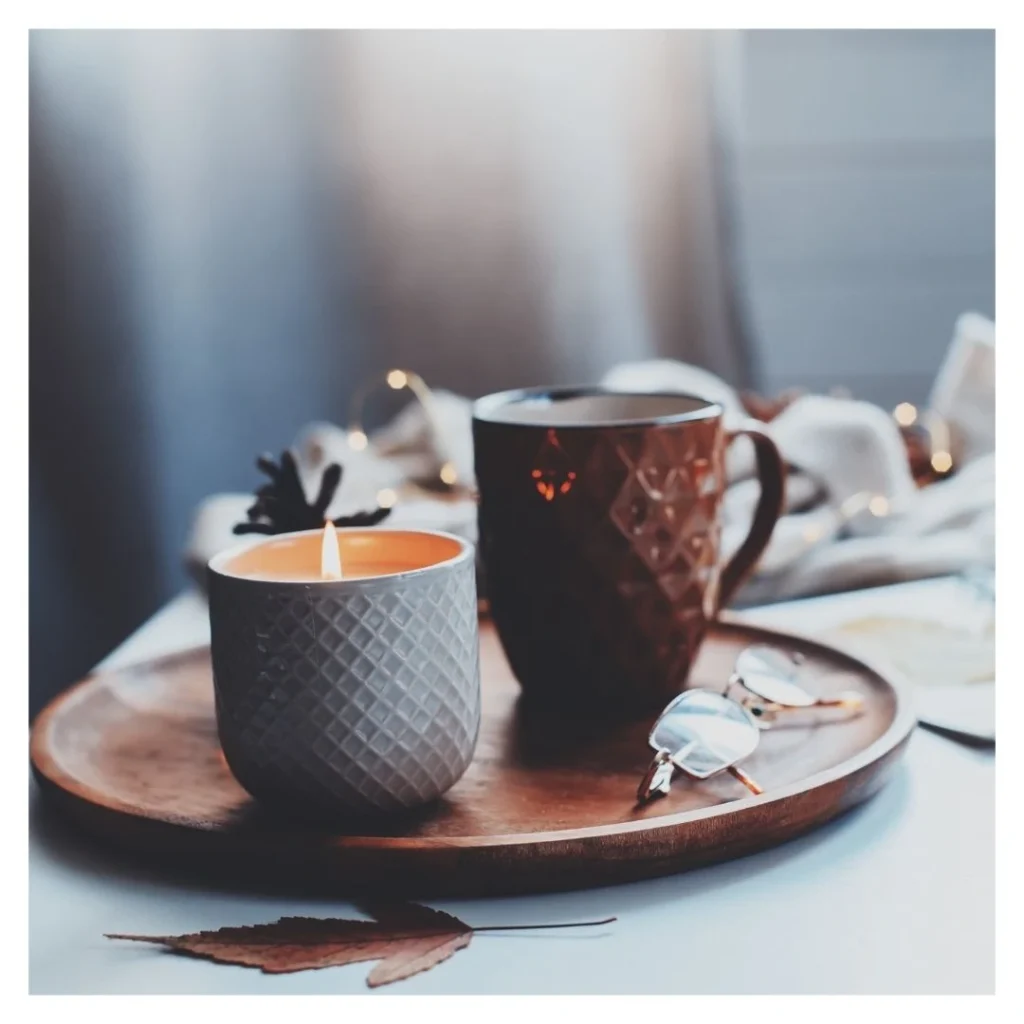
{"points": [[636, 529]]}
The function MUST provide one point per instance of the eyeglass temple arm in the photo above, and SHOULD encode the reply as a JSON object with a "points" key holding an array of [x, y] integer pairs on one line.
{"points": [[647, 789], [849, 699], [658, 778], [738, 773]]}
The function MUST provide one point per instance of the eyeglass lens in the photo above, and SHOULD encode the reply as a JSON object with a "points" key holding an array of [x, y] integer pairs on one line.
{"points": [[704, 732], [770, 675]]}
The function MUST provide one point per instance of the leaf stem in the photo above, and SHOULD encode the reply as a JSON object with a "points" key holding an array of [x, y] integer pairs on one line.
{"points": [[524, 927]]}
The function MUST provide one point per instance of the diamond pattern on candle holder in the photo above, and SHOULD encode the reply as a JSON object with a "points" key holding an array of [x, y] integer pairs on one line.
{"points": [[369, 700]]}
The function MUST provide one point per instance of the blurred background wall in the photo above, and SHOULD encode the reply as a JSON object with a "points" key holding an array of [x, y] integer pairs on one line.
{"points": [[230, 230], [862, 173]]}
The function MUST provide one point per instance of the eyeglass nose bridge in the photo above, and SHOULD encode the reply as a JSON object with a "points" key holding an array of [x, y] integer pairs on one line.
{"points": [[763, 710]]}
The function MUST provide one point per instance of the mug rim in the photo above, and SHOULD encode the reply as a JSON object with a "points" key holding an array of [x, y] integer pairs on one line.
{"points": [[215, 565], [485, 407]]}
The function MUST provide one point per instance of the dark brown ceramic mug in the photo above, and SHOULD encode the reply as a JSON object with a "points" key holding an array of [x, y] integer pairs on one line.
{"points": [[599, 534]]}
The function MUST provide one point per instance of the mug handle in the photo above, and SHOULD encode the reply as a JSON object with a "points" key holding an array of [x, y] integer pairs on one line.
{"points": [[771, 472]]}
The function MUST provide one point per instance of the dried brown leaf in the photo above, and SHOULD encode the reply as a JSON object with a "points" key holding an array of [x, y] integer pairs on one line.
{"points": [[407, 938]]}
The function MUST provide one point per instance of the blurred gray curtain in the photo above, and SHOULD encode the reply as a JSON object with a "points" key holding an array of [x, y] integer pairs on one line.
{"points": [[229, 230]]}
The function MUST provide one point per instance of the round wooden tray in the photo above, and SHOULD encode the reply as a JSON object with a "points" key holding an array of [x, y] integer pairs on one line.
{"points": [[133, 756]]}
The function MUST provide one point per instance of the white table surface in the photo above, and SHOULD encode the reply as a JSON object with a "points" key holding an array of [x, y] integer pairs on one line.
{"points": [[895, 897]]}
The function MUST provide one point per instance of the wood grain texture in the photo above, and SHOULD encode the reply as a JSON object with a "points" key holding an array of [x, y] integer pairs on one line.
{"points": [[132, 755]]}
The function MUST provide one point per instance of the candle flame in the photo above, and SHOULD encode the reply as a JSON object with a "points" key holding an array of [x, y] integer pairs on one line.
{"points": [[330, 554]]}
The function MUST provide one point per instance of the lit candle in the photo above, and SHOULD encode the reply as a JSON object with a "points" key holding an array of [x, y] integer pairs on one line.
{"points": [[315, 669], [330, 554]]}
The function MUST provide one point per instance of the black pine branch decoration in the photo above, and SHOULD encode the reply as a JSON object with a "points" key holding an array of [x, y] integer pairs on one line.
{"points": [[281, 505]]}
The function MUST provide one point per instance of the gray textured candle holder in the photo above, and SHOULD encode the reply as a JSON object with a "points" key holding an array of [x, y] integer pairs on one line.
{"points": [[348, 697]]}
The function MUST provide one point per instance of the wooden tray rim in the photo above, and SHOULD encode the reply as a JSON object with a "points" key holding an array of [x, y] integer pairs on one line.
{"points": [[902, 725]]}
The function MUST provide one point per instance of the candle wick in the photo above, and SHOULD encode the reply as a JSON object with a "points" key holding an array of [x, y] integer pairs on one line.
{"points": [[330, 554]]}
